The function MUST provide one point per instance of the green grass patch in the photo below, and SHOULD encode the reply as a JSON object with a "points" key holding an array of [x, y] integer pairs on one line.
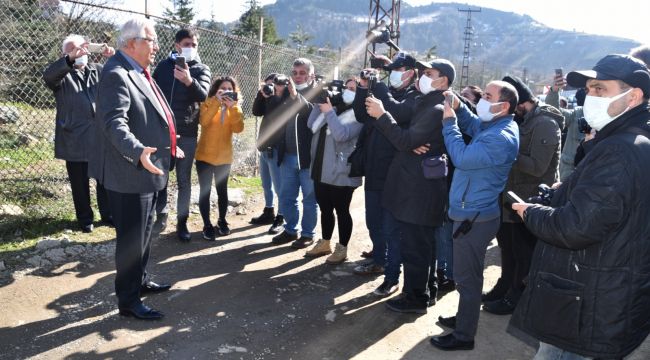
{"points": [[249, 184]]}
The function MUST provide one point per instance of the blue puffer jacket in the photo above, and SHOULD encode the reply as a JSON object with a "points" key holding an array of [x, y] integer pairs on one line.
{"points": [[482, 166]]}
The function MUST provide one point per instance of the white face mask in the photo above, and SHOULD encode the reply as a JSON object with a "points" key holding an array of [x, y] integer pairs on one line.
{"points": [[302, 86], [595, 110], [189, 53], [348, 96], [483, 110], [425, 84], [81, 60], [395, 79]]}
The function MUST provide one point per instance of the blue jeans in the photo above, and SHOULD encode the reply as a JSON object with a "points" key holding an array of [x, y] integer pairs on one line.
{"points": [[293, 180], [385, 235], [550, 352], [184, 176], [271, 179], [445, 248]]}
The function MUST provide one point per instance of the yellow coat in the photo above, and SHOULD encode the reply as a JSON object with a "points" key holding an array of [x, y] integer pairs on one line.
{"points": [[215, 143]]}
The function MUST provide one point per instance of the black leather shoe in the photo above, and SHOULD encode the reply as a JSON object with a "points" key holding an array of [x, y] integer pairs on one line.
{"points": [[497, 292], [142, 312], [107, 222], [449, 343], [302, 242], [277, 226], [283, 238], [449, 322], [152, 287], [403, 305], [267, 217], [88, 228], [446, 286], [500, 307]]}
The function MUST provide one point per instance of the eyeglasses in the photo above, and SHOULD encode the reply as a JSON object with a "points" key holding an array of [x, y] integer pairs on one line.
{"points": [[149, 40]]}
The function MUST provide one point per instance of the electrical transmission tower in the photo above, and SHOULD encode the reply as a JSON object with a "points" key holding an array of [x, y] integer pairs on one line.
{"points": [[378, 17], [468, 34]]}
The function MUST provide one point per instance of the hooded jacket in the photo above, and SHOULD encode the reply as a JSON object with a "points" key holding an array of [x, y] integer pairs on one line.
{"points": [[538, 159], [184, 100], [589, 280]]}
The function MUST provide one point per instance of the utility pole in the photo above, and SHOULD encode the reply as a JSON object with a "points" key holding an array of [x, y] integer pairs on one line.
{"points": [[389, 16], [467, 37], [525, 76]]}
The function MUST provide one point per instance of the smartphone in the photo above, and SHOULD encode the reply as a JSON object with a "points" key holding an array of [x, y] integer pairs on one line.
{"points": [[180, 62], [558, 72], [450, 100], [514, 198], [96, 48], [230, 94]]}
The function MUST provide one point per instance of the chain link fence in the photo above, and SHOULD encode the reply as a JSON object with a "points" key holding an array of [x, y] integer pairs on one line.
{"points": [[32, 32]]}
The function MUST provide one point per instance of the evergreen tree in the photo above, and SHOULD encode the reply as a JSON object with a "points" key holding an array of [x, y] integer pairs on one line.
{"points": [[300, 37], [249, 25], [183, 11]]}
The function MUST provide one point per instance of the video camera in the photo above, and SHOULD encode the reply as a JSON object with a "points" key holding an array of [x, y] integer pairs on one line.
{"points": [[269, 89], [371, 76], [332, 90], [380, 34]]}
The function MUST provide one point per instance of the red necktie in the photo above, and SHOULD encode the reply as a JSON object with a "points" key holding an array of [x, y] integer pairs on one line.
{"points": [[168, 114]]}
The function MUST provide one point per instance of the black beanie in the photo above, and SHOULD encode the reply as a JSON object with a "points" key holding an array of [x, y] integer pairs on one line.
{"points": [[522, 90]]}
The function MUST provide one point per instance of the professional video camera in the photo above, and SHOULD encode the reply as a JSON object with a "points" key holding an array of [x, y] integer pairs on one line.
{"points": [[545, 194], [269, 89], [583, 126], [380, 34], [371, 76], [332, 90]]}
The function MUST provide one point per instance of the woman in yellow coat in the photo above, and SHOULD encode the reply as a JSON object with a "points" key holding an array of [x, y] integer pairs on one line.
{"points": [[221, 116]]}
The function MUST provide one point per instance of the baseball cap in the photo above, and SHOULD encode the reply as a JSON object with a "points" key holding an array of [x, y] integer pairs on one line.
{"points": [[401, 59], [445, 67], [615, 67]]}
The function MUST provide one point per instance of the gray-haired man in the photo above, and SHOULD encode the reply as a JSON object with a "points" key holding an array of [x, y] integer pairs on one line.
{"points": [[139, 129], [73, 80]]}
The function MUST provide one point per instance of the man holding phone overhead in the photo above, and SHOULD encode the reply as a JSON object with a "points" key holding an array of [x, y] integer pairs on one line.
{"points": [[482, 168], [184, 81], [73, 80]]}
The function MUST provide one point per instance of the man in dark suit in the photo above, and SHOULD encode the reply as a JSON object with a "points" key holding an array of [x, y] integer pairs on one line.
{"points": [[139, 152]]}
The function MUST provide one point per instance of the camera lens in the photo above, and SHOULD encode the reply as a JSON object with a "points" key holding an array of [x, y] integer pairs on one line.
{"points": [[268, 90]]}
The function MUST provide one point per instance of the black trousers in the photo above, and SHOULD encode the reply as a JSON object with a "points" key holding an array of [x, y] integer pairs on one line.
{"points": [[517, 245], [133, 218], [80, 185], [330, 198], [206, 173], [418, 250]]}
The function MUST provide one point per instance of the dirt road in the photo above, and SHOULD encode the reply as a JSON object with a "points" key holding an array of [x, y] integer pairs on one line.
{"points": [[236, 298]]}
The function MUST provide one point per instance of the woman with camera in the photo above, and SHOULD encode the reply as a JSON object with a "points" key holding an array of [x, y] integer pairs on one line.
{"points": [[335, 134], [221, 116]]}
